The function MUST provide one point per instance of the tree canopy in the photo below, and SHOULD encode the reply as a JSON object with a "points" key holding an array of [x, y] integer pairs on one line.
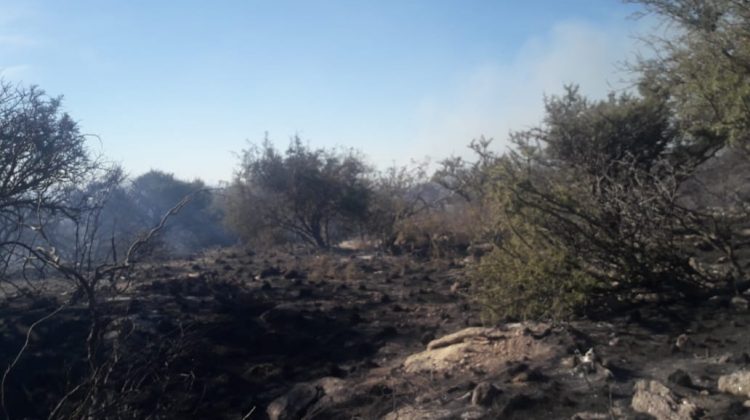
{"points": [[316, 195], [704, 68]]}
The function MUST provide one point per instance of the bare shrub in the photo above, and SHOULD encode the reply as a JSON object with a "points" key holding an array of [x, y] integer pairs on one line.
{"points": [[52, 198], [317, 196], [399, 194], [439, 233]]}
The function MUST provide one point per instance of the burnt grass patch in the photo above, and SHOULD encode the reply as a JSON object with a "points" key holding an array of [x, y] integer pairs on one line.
{"points": [[221, 335], [215, 336]]}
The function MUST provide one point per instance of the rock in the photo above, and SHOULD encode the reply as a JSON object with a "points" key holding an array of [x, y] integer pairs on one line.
{"points": [[414, 413], [517, 402], [716, 301], [739, 303], [303, 293], [423, 399], [655, 399], [304, 398], [464, 335], [592, 371], [737, 383], [473, 415], [682, 343], [533, 375], [427, 337], [455, 287], [569, 362], [488, 349], [736, 409], [517, 368], [742, 359], [484, 394], [295, 403], [590, 366], [334, 390], [283, 316], [587, 362], [269, 272], [590, 416], [387, 332], [111, 335], [648, 297], [680, 377]]}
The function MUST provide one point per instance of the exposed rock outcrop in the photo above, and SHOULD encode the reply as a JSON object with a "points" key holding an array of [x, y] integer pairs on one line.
{"points": [[488, 349], [737, 383], [655, 399]]}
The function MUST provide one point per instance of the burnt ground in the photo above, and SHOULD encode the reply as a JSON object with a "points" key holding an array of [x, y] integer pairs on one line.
{"points": [[226, 334]]}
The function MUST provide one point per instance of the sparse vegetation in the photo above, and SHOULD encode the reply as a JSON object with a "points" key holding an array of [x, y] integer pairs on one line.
{"points": [[399, 194], [315, 195], [632, 208], [703, 68], [147, 197], [592, 205], [53, 198], [590, 202]]}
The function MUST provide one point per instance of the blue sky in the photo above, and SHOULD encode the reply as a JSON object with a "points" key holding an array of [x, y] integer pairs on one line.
{"points": [[179, 86]]}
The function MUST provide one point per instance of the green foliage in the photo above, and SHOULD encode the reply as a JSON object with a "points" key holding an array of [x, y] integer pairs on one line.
{"points": [[580, 224], [704, 69], [529, 278], [594, 204], [593, 134], [468, 179], [532, 273]]}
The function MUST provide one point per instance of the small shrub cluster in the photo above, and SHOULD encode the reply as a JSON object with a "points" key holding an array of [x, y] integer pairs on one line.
{"points": [[529, 279]]}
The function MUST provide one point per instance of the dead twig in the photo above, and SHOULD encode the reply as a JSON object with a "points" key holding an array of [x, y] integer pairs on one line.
{"points": [[20, 354]]}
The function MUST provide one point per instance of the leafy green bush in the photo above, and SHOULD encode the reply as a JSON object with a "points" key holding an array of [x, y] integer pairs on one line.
{"points": [[595, 203], [588, 208], [529, 278], [703, 65]]}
